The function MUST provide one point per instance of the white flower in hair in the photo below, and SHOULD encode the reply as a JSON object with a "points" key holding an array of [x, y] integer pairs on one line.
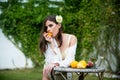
{"points": [[59, 19]]}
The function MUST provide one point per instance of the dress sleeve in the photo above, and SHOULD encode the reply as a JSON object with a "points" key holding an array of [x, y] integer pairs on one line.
{"points": [[69, 57], [48, 55]]}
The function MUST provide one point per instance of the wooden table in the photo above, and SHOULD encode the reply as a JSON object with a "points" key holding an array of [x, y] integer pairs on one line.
{"points": [[79, 72]]}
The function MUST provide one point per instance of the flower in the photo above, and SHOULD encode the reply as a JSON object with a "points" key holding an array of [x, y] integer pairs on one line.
{"points": [[59, 19]]}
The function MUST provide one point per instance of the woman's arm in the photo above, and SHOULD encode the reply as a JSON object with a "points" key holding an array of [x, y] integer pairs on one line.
{"points": [[71, 52]]}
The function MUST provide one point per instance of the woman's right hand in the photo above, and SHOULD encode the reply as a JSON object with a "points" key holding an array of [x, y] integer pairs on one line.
{"points": [[48, 68], [47, 37]]}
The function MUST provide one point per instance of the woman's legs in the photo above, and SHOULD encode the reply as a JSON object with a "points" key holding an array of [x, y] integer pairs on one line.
{"points": [[47, 71], [45, 75]]}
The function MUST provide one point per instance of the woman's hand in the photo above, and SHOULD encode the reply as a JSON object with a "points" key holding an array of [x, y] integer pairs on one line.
{"points": [[48, 68], [47, 37]]}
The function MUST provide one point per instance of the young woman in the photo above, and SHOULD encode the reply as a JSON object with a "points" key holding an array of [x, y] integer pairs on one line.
{"points": [[58, 48]]}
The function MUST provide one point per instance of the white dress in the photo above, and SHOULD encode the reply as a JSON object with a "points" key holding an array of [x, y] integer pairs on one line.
{"points": [[55, 56]]}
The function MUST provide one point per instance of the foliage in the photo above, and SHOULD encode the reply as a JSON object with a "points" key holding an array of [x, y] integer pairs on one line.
{"points": [[108, 41], [87, 21], [18, 21], [22, 22], [85, 24]]}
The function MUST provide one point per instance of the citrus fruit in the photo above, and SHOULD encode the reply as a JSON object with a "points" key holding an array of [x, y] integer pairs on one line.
{"points": [[73, 64], [79, 65], [50, 34], [82, 64]]}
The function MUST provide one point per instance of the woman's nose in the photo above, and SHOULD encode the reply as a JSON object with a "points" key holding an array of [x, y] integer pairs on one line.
{"points": [[48, 29]]}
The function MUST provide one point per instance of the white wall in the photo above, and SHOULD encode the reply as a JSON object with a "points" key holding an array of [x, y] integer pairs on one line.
{"points": [[10, 56]]}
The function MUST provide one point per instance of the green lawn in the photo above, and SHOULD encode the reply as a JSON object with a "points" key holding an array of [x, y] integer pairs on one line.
{"points": [[25, 74], [31, 74]]}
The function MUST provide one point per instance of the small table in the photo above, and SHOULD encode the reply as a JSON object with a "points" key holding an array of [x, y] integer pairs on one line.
{"points": [[79, 72]]}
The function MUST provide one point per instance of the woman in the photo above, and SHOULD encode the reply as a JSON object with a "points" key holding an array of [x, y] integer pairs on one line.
{"points": [[58, 48]]}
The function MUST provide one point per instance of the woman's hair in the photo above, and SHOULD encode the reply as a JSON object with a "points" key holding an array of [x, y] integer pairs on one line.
{"points": [[43, 43]]}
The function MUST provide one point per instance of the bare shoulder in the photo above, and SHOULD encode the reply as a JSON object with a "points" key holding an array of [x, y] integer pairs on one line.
{"points": [[73, 40], [73, 37]]}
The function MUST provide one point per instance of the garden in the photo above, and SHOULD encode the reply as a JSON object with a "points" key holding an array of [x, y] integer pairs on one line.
{"points": [[94, 22]]}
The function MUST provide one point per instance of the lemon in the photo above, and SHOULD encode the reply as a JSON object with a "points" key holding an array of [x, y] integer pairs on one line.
{"points": [[82, 64], [79, 65]]}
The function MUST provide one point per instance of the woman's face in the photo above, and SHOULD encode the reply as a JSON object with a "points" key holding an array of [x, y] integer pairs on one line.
{"points": [[52, 27]]}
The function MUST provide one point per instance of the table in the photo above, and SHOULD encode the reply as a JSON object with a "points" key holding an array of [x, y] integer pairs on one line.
{"points": [[79, 72]]}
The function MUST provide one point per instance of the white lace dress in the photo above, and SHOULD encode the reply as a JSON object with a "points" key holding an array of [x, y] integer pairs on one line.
{"points": [[55, 56]]}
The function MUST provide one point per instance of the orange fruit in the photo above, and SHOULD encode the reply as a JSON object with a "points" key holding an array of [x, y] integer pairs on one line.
{"points": [[73, 64], [50, 34]]}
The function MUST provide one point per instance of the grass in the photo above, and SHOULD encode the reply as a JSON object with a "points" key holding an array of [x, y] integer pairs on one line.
{"points": [[31, 74], [24, 74]]}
